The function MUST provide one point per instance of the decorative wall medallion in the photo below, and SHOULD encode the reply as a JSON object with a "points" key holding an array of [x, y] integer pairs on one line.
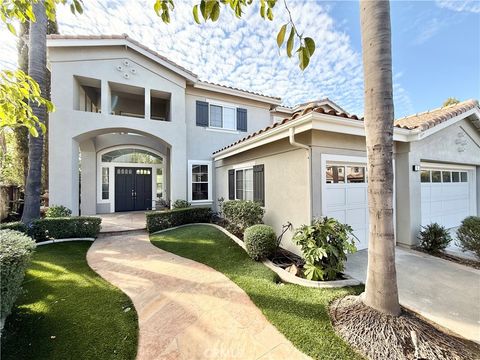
{"points": [[126, 69]]}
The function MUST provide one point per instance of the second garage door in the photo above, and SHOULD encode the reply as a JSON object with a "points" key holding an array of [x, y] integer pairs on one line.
{"points": [[445, 195]]}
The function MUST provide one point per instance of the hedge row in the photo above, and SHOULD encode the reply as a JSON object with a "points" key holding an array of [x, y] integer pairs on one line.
{"points": [[58, 228], [15, 252], [160, 220]]}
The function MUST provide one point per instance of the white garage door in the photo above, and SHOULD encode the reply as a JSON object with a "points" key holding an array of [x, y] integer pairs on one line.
{"points": [[345, 198], [445, 196]]}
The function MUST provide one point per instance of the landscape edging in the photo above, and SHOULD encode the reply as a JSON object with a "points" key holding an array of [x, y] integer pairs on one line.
{"points": [[284, 275]]}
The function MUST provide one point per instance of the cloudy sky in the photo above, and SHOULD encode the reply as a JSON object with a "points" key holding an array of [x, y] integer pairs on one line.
{"points": [[436, 48]]}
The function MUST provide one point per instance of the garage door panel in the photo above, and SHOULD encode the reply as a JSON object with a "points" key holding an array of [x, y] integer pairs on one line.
{"points": [[356, 195], [446, 203], [357, 218], [340, 215], [335, 196]]}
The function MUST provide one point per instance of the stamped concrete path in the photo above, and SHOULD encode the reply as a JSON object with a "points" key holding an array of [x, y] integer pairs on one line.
{"points": [[186, 310]]}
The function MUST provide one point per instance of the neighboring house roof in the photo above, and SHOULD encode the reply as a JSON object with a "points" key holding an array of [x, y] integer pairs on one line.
{"points": [[408, 125], [63, 40], [431, 118]]}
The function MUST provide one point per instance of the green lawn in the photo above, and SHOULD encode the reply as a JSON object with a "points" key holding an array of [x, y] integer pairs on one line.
{"points": [[69, 312], [300, 313]]}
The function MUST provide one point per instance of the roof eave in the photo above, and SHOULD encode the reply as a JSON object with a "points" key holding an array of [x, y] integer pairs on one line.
{"points": [[239, 93]]}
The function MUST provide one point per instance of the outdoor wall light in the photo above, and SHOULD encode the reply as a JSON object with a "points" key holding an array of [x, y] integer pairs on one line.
{"points": [[416, 167]]}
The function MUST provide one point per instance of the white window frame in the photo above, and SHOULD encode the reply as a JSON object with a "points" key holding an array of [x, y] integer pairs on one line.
{"points": [[235, 180], [191, 163], [223, 105]]}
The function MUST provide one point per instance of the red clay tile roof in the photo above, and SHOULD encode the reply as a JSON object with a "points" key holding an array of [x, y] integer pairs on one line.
{"points": [[307, 109], [421, 121], [431, 118], [242, 90]]}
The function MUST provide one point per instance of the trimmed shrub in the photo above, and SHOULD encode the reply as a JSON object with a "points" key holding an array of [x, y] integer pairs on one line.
{"points": [[17, 226], [260, 241], [58, 211], [468, 235], [241, 214], [434, 238], [180, 204], [324, 246], [15, 252], [64, 228], [161, 220]]}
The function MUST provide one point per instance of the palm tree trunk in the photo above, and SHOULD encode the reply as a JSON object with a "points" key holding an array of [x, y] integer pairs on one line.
{"points": [[381, 291], [37, 70]]}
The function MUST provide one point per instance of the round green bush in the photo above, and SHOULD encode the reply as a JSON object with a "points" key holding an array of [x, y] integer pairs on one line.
{"points": [[58, 211], [180, 204], [468, 235], [260, 241], [434, 238]]}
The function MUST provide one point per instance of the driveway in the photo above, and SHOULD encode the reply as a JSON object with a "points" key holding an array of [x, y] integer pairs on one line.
{"points": [[440, 290]]}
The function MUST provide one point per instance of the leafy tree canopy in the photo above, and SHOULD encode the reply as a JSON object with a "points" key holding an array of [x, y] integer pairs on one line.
{"points": [[450, 101]]}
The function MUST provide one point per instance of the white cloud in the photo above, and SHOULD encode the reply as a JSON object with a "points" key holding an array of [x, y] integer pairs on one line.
{"points": [[237, 52], [428, 30], [472, 6]]}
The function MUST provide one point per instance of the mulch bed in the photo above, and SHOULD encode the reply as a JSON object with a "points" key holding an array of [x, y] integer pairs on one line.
{"points": [[459, 260], [379, 336]]}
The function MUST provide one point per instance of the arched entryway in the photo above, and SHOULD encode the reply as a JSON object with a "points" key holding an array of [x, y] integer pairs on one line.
{"points": [[130, 178]]}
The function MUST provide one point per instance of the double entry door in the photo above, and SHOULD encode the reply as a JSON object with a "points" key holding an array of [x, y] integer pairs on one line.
{"points": [[133, 189]]}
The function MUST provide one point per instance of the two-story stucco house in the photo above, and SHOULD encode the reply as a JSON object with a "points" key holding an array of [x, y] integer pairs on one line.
{"points": [[132, 129]]}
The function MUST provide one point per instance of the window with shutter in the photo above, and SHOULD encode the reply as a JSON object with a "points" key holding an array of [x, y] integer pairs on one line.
{"points": [[259, 184], [242, 119], [202, 113]]}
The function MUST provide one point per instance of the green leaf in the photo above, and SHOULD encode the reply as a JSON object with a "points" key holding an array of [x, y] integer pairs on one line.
{"points": [[290, 42], [262, 12], [303, 57], [310, 45], [78, 7], [270, 14], [11, 28], [203, 10], [215, 12], [281, 35], [195, 14]]}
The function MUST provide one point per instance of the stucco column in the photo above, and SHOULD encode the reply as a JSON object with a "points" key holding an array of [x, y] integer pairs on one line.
{"points": [[316, 196], [178, 173], [408, 198], [63, 170], [88, 178], [147, 104], [105, 97]]}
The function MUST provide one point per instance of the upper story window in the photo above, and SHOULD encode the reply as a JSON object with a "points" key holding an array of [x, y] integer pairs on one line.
{"points": [[159, 105], [127, 100], [89, 97], [219, 115]]}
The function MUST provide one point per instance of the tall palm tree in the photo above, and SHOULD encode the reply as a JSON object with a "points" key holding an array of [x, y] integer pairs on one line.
{"points": [[37, 69], [381, 291]]}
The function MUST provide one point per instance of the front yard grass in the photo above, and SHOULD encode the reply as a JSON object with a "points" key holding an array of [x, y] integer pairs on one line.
{"points": [[300, 313], [67, 311]]}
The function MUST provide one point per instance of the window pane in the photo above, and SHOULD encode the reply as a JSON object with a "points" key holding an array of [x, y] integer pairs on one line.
{"points": [[200, 173], [215, 116], [335, 174], [248, 184], [355, 174], [105, 183], [130, 155], [239, 185], [446, 175], [455, 176], [463, 176], [436, 176], [229, 118], [425, 176], [200, 191], [160, 183]]}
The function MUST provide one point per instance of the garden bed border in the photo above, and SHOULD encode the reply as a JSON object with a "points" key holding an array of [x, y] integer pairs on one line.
{"points": [[284, 275], [54, 241]]}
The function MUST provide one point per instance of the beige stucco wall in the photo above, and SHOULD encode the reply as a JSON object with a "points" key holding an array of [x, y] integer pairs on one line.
{"points": [[286, 184]]}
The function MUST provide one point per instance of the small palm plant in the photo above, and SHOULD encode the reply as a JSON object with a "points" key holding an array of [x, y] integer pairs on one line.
{"points": [[434, 238]]}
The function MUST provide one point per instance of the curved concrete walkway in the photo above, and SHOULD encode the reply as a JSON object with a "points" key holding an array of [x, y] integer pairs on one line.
{"points": [[186, 310]]}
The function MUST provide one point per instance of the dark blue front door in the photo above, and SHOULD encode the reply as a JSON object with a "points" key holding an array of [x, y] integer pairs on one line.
{"points": [[133, 189]]}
